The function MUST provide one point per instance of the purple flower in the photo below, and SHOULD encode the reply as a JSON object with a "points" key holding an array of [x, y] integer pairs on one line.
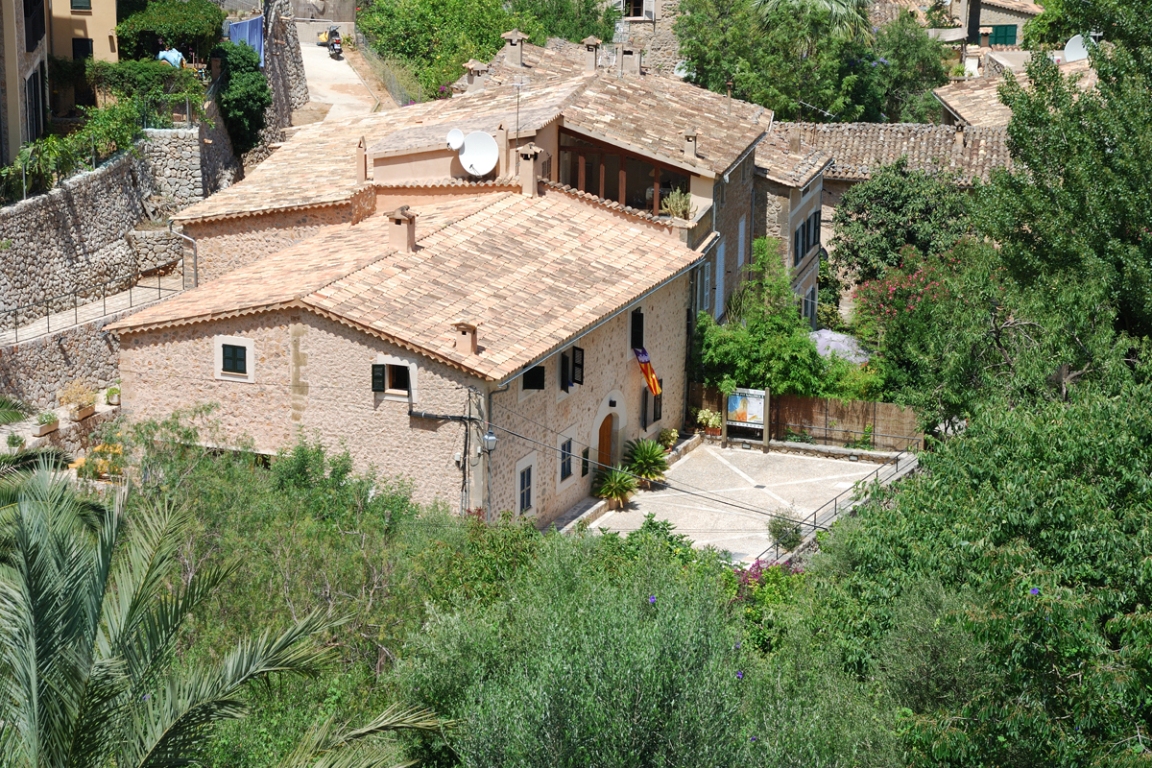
{"points": [[1034, 591], [754, 738], [651, 599], [740, 675], [146, 697], [737, 646]]}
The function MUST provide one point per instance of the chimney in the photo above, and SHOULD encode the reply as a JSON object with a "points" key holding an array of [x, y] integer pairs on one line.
{"points": [[362, 161], [974, 22], [958, 141], [591, 53], [465, 337], [690, 144], [530, 157], [794, 142], [514, 48], [476, 70], [630, 60], [402, 232]]}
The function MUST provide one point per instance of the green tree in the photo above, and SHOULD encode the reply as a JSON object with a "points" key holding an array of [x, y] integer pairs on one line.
{"points": [[244, 97], [193, 25], [848, 18], [897, 208], [912, 65]]}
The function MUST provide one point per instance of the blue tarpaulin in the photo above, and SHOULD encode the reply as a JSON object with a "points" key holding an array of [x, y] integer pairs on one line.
{"points": [[251, 32]]}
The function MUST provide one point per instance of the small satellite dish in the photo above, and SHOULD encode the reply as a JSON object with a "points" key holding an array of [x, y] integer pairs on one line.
{"points": [[1075, 50], [480, 153], [455, 139]]}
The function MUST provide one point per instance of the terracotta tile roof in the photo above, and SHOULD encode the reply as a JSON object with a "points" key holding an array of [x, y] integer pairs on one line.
{"points": [[1019, 6], [776, 159], [976, 101], [881, 13], [857, 149], [532, 272]]}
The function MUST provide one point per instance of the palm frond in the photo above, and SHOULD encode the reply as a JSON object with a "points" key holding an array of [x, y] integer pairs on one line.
{"points": [[845, 17], [12, 410], [328, 745]]}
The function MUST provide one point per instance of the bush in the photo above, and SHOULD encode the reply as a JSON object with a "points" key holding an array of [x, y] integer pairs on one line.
{"points": [[153, 80], [668, 437], [190, 25], [15, 441], [785, 532], [245, 95], [645, 459], [47, 417]]}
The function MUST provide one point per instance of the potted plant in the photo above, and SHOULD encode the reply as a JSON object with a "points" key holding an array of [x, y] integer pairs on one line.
{"points": [[112, 396], [81, 401], [15, 442], [645, 460], [46, 422], [710, 420], [615, 485], [668, 438]]}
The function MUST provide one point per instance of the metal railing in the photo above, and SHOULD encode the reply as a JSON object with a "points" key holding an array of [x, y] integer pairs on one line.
{"points": [[806, 434], [66, 308], [831, 510]]}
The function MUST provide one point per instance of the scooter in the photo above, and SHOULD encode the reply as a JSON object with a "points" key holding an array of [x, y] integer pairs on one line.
{"points": [[335, 49]]}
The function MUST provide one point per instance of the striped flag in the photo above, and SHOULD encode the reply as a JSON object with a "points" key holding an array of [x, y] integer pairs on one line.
{"points": [[646, 368]]}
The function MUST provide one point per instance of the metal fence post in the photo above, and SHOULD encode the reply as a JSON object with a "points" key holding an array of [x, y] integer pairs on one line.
{"points": [[75, 309], [48, 316]]}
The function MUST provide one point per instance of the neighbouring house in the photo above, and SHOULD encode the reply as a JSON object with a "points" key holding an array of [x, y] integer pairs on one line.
{"points": [[1004, 20], [24, 79], [976, 101], [858, 149], [411, 337], [80, 30]]}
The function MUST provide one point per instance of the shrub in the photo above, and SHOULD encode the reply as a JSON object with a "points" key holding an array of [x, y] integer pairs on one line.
{"points": [[191, 25], [645, 459], [709, 419], [614, 484], [245, 95], [785, 532], [668, 437], [678, 203], [15, 440], [152, 80], [47, 417], [76, 394]]}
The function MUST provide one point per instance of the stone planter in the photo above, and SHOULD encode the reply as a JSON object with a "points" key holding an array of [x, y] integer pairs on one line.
{"points": [[79, 413], [113, 399], [44, 429]]}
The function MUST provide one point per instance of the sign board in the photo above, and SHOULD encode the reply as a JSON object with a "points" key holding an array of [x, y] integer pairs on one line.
{"points": [[746, 408]]}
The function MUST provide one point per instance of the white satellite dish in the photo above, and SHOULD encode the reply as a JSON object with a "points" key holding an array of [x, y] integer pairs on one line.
{"points": [[480, 153], [455, 139], [1075, 50]]}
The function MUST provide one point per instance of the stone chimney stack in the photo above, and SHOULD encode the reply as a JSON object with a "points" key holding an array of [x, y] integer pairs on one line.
{"points": [[794, 142], [690, 144], [402, 233], [958, 145], [476, 70], [465, 337], [514, 48], [530, 161], [362, 161], [591, 53], [630, 58]]}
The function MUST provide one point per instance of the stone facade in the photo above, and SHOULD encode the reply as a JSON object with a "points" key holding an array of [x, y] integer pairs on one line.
{"points": [[661, 50], [219, 165], [154, 249], [226, 244], [34, 371], [732, 213], [780, 211], [173, 156]]}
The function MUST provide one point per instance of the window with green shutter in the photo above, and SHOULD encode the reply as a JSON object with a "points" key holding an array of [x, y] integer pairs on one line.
{"points": [[1003, 34]]}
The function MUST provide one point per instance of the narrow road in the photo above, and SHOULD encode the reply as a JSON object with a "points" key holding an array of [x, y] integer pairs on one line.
{"points": [[332, 81]]}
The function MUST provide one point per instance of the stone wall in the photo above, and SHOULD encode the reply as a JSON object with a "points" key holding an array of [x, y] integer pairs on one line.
{"points": [[155, 248], [219, 166], [34, 371], [173, 155], [284, 69], [655, 38]]}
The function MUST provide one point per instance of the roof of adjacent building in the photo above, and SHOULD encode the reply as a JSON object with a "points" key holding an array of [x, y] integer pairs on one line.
{"points": [[858, 149], [976, 101], [531, 272], [1019, 6], [784, 162]]}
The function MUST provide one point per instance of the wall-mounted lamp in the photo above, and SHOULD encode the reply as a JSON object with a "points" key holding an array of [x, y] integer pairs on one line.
{"points": [[612, 403], [488, 441]]}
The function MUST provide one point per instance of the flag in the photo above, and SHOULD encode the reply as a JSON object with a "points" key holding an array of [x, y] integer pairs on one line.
{"points": [[646, 368]]}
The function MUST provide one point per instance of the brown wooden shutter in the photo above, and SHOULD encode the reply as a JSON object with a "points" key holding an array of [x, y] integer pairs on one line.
{"points": [[577, 365], [565, 372]]}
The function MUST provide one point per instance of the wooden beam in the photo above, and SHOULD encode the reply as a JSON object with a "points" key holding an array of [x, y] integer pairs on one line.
{"points": [[581, 173], [623, 181], [656, 191], [602, 171]]}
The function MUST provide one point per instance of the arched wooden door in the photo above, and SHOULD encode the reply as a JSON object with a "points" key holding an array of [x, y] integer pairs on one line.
{"points": [[604, 444]]}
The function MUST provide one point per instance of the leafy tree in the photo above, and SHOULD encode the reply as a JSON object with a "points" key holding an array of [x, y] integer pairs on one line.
{"points": [[847, 18], [897, 208], [913, 64], [570, 19], [244, 96], [193, 25], [1076, 204]]}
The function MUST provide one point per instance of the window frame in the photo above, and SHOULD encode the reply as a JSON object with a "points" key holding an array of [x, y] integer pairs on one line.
{"points": [[585, 460], [566, 457], [249, 347], [527, 462], [235, 355], [636, 328], [390, 392]]}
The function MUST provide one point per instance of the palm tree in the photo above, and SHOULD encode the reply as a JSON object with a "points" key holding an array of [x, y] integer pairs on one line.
{"points": [[12, 411], [13, 466], [90, 609], [845, 17]]}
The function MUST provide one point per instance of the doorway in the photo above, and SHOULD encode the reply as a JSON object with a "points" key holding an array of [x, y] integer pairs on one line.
{"points": [[604, 444]]}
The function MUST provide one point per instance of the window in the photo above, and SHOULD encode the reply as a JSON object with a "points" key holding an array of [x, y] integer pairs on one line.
{"points": [[704, 285], [1003, 34], [566, 459], [565, 371], [740, 241], [637, 329], [534, 378], [577, 365], [235, 359], [34, 103], [809, 309], [398, 379], [584, 462], [644, 409], [658, 403], [797, 246], [394, 378], [81, 5], [33, 24], [81, 48], [526, 489]]}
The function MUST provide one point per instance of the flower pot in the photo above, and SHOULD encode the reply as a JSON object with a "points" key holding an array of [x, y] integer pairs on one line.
{"points": [[712, 431], [43, 429], [82, 412], [113, 399]]}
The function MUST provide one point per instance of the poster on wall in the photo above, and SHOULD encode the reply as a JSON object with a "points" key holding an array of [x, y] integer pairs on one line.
{"points": [[746, 408]]}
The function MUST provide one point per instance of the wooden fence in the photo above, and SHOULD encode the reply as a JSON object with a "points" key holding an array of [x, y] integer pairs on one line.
{"points": [[854, 423]]}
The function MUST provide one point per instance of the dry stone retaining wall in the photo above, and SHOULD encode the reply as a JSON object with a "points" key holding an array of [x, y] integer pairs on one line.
{"points": [[155, 249], [174, 159]]}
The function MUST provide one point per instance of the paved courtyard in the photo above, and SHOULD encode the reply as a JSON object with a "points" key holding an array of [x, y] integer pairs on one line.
{"points": [[724, 497]]}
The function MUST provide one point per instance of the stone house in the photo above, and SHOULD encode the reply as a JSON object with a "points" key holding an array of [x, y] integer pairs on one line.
{"points": [[412, 338], [1004, 20], [975, 101], [23, 74]]}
